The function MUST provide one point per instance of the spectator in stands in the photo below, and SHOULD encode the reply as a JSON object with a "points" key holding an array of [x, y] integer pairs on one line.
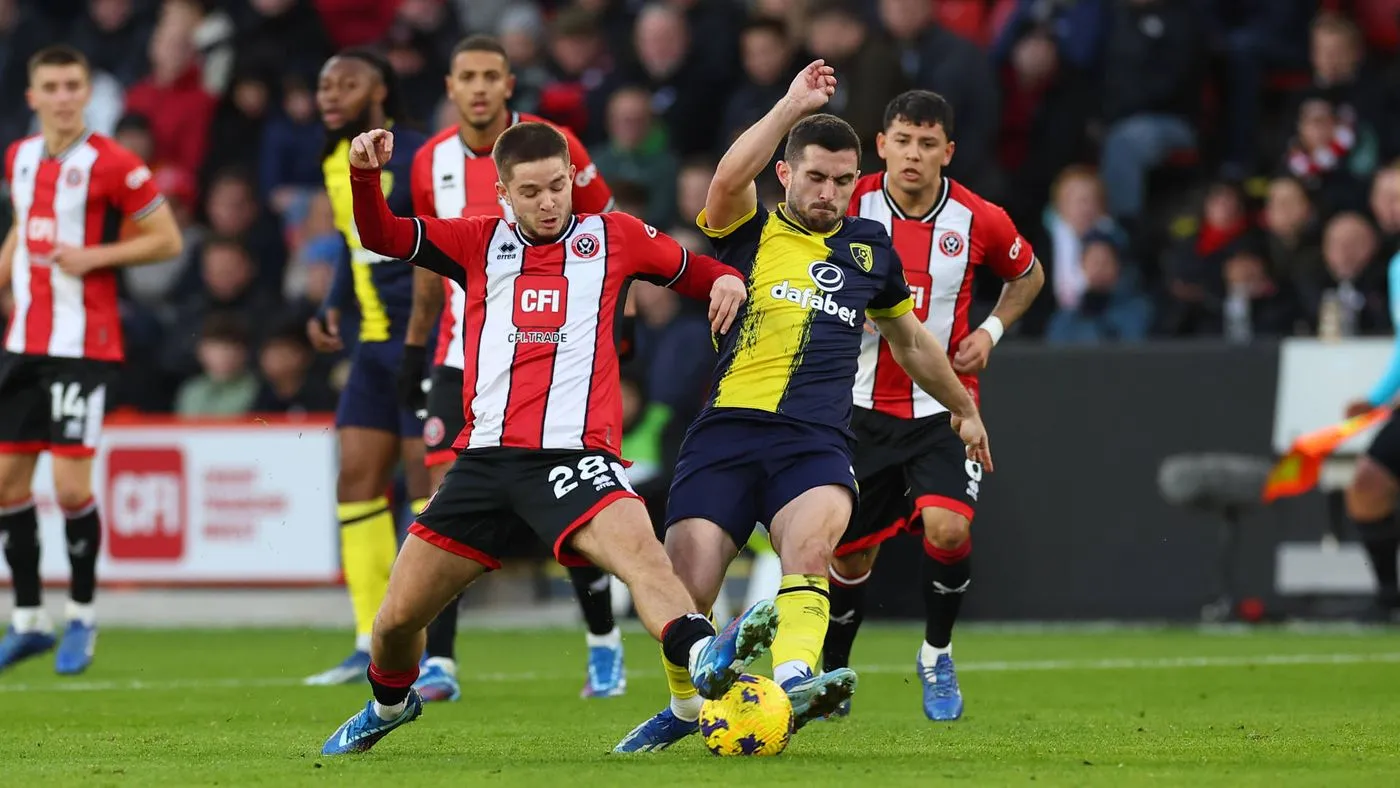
{"points": [[355, 23], [1046, 107], [637, 152], [215, 36], [224, 386], [113, 35], [1195, 268], [286, 35], [150, 284], [173, 97], [1255, 304], [288, 385], [1290, 229], [1349, 296], [629, 197], [290, 154], [617, 20], [232, 210], [1331, 154], [1258, 37], [521, 34], [682, 91], [766, 54], [228, 282], [1338, 54], [934, 58], [318, 251], [584, 76], [1078, 208], [1112, 308], [692, 185], [1151, 97], [1077, 29], [237, 128], [1385, 207]]}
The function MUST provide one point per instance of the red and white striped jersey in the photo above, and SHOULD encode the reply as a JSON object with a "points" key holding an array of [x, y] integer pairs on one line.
{"points": [[77, 198], [539, 338], [940, 252], [452, 180]]}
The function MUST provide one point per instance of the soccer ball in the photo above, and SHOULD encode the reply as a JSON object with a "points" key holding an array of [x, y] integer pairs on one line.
{"points": [[753, 718]]}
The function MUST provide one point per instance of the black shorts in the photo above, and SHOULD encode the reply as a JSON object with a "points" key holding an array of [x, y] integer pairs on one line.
{"points": [[488, 494], [446, 416], [1385, 447], [52, 404], [904, 466]]}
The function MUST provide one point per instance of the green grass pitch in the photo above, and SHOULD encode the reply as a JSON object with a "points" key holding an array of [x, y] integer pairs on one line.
{"points": [[1122, 708]]}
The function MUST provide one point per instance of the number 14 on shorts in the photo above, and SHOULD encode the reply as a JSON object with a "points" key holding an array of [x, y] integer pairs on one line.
{"points": [[592, 469]]}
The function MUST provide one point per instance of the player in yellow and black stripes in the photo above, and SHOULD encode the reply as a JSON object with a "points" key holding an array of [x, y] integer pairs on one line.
{"points": [[774, 443]]}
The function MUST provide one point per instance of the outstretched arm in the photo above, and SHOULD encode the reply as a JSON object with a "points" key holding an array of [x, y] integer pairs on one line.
{"points": [[732, 194]]}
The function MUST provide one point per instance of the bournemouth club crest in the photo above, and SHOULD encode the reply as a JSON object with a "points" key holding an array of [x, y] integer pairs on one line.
{"points": [[863, 256]]}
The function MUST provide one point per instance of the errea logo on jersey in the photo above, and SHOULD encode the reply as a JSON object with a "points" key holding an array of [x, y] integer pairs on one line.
{"points": [[137, 177], [586, 175]]}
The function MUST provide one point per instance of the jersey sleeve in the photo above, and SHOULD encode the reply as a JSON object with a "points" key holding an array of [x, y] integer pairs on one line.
{"points": [[421, 183], [444, 246], [1385, 388], [1008, 254], [133, 190], [741, 236], [894, 298], [591, 192], [656, 257]]}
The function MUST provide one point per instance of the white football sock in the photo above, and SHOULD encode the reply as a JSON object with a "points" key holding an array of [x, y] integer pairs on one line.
{"points": [[687, 709], [695, 650], [448, 664], [362, 642], [611, 640], [85, 614], [929, 655], [790, 670], [30, 619], [388, 713]]}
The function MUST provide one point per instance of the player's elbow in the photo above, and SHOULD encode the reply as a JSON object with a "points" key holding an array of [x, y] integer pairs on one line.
{"points": [[172, 243]]}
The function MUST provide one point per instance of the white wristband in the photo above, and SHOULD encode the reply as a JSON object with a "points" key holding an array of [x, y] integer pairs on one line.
{"points": [[993, 326]]}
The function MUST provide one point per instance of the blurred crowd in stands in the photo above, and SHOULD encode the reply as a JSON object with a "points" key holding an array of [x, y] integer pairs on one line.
{"points": [[1183, 168]]}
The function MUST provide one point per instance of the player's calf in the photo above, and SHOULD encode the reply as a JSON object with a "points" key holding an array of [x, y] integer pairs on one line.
{"points": [[1370, 503]]}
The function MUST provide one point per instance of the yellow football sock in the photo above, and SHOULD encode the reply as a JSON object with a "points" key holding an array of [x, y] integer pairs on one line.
{"points": [[804, 604], [419, 504], [678, 679], [367, 548]]}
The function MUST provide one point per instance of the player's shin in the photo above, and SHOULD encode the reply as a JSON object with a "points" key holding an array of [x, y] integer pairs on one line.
{"points": [[1381, 538], [685, 699], [594, 589], [946, 575], [804, 608], [367, 548], [84, 534], [847, 612], [19, 531]]}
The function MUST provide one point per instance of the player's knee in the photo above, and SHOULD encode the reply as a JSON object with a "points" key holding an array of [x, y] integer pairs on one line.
{"points": [[16, 478], [357, 481], [72, 486], [395, 623], [854, 564], [944, 529], [807, 553], [1372, 492]]}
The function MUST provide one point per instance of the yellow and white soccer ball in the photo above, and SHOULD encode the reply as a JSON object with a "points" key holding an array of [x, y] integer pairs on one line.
{"points": [[753, 718]]}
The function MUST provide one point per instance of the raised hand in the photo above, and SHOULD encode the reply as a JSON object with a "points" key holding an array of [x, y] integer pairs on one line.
{"points": [[371, 150], [813, 86]]}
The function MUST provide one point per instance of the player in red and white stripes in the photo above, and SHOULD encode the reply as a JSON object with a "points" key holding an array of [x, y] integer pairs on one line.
{"points": [[70, 190], [454, 175], [910, 463]]}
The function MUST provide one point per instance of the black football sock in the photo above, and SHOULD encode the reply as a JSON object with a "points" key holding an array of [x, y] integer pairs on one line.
{"points": [[947, 574], [681, 634], [1381, 538], [442, 632], [19, 531], [847, 611], [391, 688], [84, 532], [594, 589]]}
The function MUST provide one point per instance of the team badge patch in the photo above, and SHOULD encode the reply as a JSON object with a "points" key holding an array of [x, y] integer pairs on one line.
{"points": [[951, 244], [585, 246], [74, 177], [863, 256], [434, 431]]}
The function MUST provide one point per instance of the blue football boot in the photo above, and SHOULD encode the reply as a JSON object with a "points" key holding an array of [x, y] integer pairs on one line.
{"points": [[437, 681], [351, 671], [657, 733], [364, 730], [607, 674], [76, 649], [725, 656], [942, 698], [19, 646], [819, 696]]}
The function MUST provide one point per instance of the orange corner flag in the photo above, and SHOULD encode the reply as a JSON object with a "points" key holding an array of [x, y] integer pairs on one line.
{"points": [[1299, 470]]}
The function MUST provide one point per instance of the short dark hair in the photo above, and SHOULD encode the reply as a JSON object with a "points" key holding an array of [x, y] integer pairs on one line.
{"points": [[826, 131], [224, 327], [479, 43], [525, 142], [817, 9], [921, 108], [133, 122], [394, 108], [765, 24], [57, 55]]}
